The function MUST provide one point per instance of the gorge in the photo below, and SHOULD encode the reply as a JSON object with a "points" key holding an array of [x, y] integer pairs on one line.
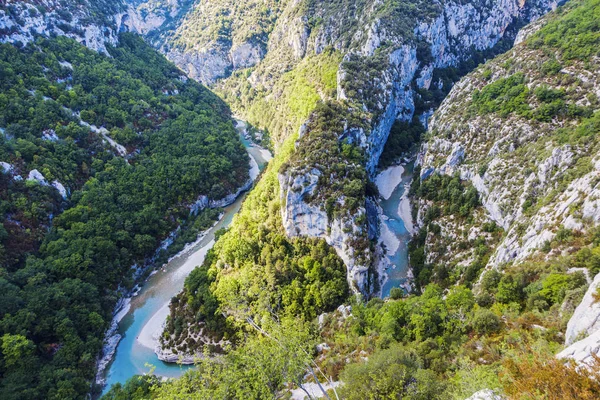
{"points": [[426, 228]]}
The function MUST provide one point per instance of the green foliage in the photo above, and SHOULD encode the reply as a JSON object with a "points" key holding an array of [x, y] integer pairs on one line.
{"points": [[403, 136], [574, 31], [485, 322], [285, 106], [450, 196], [394, 373], [259, 369], [136, 388], [227, 22], [504, 96], [254, 270], [61, 285], [455, 196]]}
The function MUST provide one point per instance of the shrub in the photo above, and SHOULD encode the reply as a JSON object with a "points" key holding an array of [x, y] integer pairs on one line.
{"points": [[485, 322]]}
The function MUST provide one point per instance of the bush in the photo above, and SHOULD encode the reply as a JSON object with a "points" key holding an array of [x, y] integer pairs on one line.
{"points": [[485, 322], [396, 293]]}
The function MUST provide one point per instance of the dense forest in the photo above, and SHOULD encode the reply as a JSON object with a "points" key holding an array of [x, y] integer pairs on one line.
{"points": [[102, 157]]}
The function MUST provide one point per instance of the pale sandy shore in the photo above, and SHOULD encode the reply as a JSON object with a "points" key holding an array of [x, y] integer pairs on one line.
{"points": [[404, 212], [151, 332], [388, 179], [266, 154], [389, 239], [254, 170]]}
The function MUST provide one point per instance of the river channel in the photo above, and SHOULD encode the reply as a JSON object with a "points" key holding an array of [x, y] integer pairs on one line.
{"points": [[396, 225]]}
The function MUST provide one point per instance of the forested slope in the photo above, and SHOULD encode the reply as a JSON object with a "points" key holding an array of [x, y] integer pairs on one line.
{"points": [[102, 157]]}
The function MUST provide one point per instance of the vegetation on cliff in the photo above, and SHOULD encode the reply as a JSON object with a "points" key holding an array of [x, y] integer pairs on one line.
{"points": [[464, 332], [255, 271]]}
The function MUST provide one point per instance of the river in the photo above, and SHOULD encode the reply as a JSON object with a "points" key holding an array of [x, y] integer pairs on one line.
{"points": [[150, 307], [396, 225]]}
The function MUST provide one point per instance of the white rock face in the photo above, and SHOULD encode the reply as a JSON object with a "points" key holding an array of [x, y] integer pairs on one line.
{"points": [[586, 318], [142, 22], [205, 65], [61, 189], [303, 219], [583, 330], [6, 167], [246, 55], [486, 394], [583, 350], [35, 175], [25, 21], [451, 36]]}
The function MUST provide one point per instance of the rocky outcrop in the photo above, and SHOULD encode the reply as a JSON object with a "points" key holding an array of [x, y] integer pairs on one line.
{"points": [[190, 33], [586, 318], [301, 218], [531, 183], [93, 25], [486, 394], [452, 37], [389, 94], [583, 330], [583, 351]]}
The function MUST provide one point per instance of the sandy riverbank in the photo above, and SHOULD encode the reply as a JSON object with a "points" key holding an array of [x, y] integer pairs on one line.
{"points": [[405, 212], [388, 180]]}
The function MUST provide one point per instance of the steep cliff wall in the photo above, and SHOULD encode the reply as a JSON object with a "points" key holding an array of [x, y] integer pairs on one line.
{"points": [[91, 22], [522, 129], [385, 67]]}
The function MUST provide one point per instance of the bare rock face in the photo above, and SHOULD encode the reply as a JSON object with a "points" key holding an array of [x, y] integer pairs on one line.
{"points": [[583, 330], [301, 218], [486, 394], [583, 351], [586, 318], [85, 21], [246, 55], [205, 65], [452, 37]]}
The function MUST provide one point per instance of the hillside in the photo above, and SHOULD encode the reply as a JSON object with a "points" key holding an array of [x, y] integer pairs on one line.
{"points": [[94, 23], [522, 130], [102, 156]]}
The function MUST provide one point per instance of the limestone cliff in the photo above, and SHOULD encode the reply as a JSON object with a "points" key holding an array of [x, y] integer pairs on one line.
{"points": [[521, 130], [91, 22]]}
